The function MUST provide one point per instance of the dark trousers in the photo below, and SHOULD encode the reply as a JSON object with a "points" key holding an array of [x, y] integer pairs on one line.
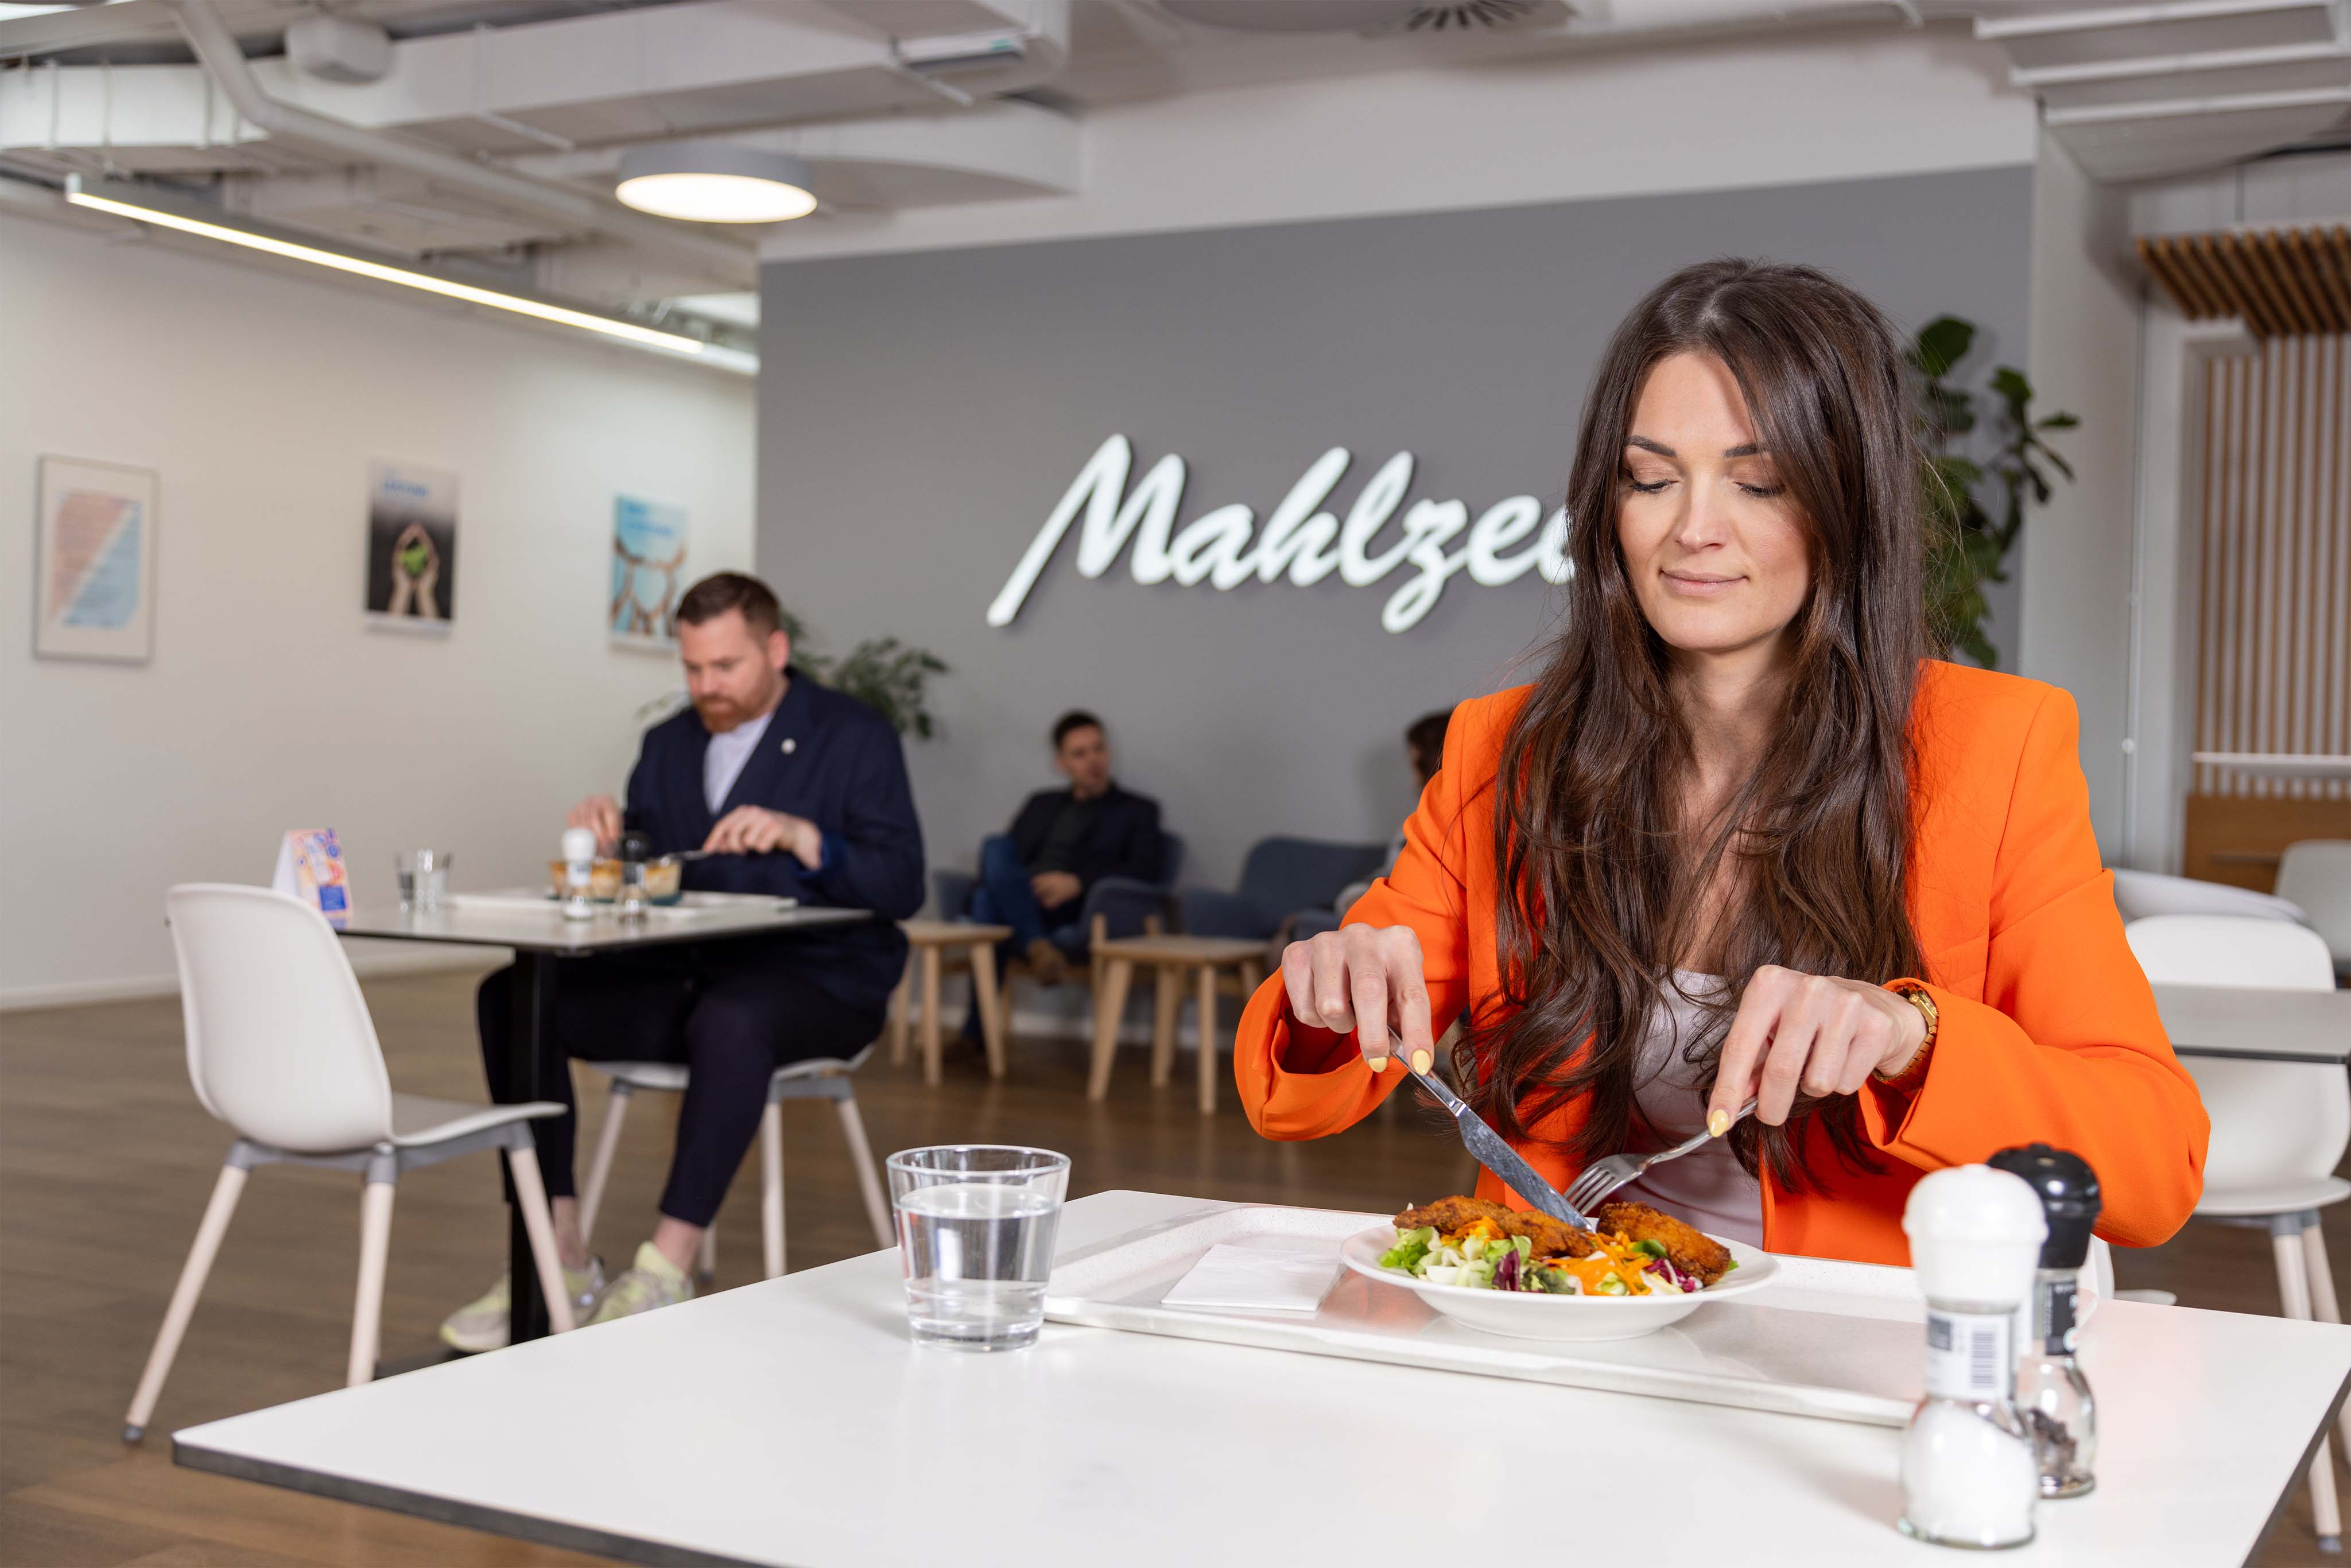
{"points": [[1003, 896], [732, 1018]]}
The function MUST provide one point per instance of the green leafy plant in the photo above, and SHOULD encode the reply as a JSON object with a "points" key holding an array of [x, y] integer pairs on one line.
{"points": [[1967, 545], [887, 675]]}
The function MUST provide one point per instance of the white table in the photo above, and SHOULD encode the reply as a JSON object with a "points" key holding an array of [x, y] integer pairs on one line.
{"points": [[2255, 1023], [791, 1422], [537, 931]]}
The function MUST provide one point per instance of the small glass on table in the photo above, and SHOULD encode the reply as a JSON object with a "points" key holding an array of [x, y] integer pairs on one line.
{"points": [[976, 1227], [424, 878]]}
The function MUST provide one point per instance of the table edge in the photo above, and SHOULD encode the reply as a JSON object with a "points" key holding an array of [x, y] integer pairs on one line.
{"points": [[824, 915], [443, 1511], [2225, 1053], [2301, 1470]]}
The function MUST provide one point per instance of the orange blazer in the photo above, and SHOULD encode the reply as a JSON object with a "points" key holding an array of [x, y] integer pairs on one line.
{"points": [[2048, 1029]]}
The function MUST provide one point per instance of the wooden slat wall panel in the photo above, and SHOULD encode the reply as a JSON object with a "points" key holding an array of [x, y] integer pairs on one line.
{"points": [[2273, 659], [2279, 281]]}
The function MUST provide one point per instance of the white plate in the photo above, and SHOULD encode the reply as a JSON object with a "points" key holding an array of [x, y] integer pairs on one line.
{"points": [[1525, 1314]]}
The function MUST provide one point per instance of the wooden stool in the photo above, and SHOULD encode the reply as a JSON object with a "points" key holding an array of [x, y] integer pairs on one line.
{"points": [[927, 940], [1171, 955]]}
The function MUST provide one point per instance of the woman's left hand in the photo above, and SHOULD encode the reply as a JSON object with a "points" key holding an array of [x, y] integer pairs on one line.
{"points": [[1816, 1032]]}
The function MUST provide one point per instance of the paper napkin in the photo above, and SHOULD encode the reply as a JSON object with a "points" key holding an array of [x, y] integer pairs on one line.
{"points": [[1255, 1278]]}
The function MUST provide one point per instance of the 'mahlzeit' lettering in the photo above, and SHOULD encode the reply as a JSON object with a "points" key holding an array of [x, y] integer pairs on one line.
{"points": [[1300, 542]]}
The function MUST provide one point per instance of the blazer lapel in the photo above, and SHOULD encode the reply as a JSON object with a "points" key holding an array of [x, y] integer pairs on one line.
{"points": [[763, 770], [686, 785]]}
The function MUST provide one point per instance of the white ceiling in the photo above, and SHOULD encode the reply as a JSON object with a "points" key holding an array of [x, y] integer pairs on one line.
{"points": [[552, 91]]}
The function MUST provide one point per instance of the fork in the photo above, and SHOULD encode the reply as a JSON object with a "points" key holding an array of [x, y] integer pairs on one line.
{"points": [[1602, 1177]]}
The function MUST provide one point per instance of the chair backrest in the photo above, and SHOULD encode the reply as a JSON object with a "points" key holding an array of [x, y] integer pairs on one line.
{"points": [[2316, 874], [2230, 950], [2142, 894], [2273, 1123], [1285, 875], [280, 1045]]}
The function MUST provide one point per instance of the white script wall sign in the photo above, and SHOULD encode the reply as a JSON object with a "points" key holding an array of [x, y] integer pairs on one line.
{"points": [[1221, 548]]}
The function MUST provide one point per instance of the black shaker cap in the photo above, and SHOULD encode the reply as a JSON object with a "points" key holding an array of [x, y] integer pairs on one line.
{"points": [[2068, 1190], [636, 846]]}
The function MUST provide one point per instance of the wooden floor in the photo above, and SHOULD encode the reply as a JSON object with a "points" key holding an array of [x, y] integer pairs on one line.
{"points": [[106, 1161]]}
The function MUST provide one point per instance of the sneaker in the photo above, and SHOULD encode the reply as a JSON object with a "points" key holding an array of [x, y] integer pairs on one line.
{"points": [[651, 1282], [481, 1323]]}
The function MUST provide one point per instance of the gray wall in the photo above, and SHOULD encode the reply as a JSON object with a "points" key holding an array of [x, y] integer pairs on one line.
{"points": [[920, 414]]}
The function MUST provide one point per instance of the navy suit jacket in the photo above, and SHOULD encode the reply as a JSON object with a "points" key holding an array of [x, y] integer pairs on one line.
{"points": [[826, 758]]}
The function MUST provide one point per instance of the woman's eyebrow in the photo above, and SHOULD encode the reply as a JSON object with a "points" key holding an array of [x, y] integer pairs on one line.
{"points": [[1646, 444]]}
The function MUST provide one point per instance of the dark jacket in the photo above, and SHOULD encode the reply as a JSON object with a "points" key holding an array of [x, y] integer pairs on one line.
{"points": [[846, 772], [1125, 840]]}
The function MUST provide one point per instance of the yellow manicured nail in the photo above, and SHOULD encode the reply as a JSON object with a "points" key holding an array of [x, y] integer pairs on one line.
{"points": [[1717, 1124], [1421, 1061], [1376, 1063]]}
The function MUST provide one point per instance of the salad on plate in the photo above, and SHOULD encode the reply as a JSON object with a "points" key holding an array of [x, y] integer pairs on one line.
{"points": [[1476, 1244]]}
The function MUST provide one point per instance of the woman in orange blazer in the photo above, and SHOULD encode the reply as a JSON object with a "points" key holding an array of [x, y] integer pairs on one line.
{"points": [[1743, 838]]}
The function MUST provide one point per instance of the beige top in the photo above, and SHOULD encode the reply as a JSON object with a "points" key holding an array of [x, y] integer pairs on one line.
{"points": [[1706, 1186]]}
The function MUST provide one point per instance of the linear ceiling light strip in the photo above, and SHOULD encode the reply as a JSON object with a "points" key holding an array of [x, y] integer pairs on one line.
{"points": [[628, 330]]}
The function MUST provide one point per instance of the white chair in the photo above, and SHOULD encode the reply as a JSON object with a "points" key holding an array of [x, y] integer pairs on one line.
{"points": [[281, 1048], [2279, 1128], [2141, 894], [2316, 874], [822, 1077]]}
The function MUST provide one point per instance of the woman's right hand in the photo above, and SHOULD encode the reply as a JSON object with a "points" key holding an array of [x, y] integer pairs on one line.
{"points": [[1366, 979]]}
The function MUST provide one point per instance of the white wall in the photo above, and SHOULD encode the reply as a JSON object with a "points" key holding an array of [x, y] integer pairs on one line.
{"points": [[1811, 105], [261, 398], [2077, 551]]}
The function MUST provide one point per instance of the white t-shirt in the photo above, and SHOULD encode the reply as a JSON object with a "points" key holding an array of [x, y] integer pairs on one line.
{"points": [[1706, 1186], [723, 763]]}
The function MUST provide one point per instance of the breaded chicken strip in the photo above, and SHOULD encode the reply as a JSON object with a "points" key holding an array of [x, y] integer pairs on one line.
{"points": [[1686, 1249], [1451, 1215]]}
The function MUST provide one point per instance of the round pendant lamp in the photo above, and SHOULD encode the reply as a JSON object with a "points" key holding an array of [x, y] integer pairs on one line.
{"points": [[716, 182]]}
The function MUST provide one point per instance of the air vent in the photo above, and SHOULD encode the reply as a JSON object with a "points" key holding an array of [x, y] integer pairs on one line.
{"points": [[1470, 15]]}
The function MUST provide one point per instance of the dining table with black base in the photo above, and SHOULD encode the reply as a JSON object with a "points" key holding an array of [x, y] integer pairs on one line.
{"points": [[541, 937]]}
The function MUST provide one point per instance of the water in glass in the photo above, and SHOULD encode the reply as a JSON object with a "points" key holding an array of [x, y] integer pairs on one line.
{"points": [[976, 1230]]}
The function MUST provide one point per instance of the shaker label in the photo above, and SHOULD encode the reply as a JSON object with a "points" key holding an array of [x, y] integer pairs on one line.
{"points": [[1969, 1355], [2055, 1323]]}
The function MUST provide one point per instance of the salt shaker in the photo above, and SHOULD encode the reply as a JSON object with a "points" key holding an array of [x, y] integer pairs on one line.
{"points": [[2051, 1391], [579, 866], [1970, 1477]]}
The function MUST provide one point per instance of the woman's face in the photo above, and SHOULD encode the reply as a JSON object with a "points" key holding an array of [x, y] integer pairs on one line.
{"points": [[1716, 551]]}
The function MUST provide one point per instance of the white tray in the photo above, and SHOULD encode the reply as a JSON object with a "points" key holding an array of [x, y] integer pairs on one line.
{"points": [[1840, 1341]]}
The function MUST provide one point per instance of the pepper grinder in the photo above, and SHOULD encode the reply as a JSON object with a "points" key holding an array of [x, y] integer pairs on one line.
{"points": [[634, 847], [1969, 1475], [2051, 1389]]}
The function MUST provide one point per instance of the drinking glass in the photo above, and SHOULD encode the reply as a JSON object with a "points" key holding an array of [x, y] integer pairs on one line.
{"points": [[424, 876], [975, 1225]]}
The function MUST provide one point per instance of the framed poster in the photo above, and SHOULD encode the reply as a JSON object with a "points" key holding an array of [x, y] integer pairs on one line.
{"points": [[94, 576], [648, 572], [411, 574]]}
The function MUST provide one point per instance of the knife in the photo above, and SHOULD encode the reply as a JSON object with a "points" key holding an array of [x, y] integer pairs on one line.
{"points": [[1486, 1146]]}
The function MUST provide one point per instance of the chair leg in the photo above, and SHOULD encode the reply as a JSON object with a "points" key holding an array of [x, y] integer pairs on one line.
{"points": [[706, 1262], [2321, 1274], [771, 1188], [931, 1041], [209, 1232], [599, 1165], [982, 997], [1003, 1007], [901, 1001], [1167, 1004], [367, 1313], [868, 1180], [1110, 1010], [531, 1192], [2294, 1290], [1208, 1040]]}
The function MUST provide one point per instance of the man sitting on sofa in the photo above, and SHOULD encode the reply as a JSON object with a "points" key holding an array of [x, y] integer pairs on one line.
{"points": [[1034, 877]]}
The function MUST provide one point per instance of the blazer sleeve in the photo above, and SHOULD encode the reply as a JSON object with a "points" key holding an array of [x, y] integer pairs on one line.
{"points": [[1028, 824], [2065, 1047], [640, 806], [874, 861], [1298, 1082], [1138, 854]]}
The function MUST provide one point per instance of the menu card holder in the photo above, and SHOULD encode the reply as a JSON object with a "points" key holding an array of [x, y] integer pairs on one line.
{"points": [[310, 867]]}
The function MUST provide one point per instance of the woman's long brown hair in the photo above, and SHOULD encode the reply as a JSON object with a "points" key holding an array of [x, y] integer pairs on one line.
{"points": [[1600, 878]]}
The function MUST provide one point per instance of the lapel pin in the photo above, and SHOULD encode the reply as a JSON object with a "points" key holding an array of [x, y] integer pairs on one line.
{"points": [[791, 746]]}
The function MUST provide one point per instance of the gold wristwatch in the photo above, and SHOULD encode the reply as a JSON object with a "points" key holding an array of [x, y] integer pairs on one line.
{"points": [[1918, 997]]}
